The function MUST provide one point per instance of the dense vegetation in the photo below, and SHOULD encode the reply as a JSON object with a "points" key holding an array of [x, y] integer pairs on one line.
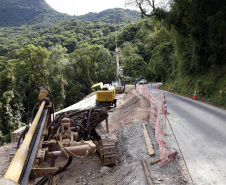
{"points": [[114, 16], [183, 47], [29, 12], [194, 52]]}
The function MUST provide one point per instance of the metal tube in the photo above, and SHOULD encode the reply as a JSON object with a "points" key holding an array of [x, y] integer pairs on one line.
{"points": [[77, 150], [146, 172], [57, 152], [107, 125], [16, 166]]}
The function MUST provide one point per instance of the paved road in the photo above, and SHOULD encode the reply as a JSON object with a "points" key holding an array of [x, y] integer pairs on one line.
{"points": [[201, 132]]}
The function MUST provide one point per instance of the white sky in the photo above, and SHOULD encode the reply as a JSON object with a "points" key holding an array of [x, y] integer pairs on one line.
{"points": [[81, 7]]}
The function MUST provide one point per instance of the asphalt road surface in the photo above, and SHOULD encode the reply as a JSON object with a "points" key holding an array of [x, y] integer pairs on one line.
{"points": [[201, 133]]}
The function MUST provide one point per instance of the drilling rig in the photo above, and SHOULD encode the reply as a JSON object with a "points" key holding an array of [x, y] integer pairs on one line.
{"points": [[119, 87], [69, 134]]}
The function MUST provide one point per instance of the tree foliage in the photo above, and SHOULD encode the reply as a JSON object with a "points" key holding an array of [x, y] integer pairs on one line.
{"points": [[113, 16]]}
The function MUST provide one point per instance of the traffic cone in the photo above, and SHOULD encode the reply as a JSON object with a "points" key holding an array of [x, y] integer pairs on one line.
{"points": [[164, 106], [158, 87], [169, 89], [195, 95]]}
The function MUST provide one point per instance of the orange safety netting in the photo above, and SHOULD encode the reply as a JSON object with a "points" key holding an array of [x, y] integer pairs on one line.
{"points": [[158, 122]]}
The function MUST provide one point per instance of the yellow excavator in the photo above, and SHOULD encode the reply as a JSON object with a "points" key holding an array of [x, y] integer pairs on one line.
{"points": [[105, 97]]}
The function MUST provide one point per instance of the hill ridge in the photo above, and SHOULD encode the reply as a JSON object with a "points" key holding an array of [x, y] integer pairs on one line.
{"points": [[28, 12], [112, 15]]}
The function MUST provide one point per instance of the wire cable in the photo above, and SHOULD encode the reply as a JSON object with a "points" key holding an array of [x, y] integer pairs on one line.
{"points": [[45, 179], [21, 135], [180, 150], [89, 122]]}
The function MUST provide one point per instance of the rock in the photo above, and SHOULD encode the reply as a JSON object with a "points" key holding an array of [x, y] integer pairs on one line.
{"points": [[77, 180], [157, 182], [104, 170]]}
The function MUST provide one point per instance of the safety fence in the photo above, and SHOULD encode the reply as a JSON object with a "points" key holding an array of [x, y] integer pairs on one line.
{"points": [[158, 121]]}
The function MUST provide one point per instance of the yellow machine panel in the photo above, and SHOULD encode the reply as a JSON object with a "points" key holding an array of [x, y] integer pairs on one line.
{"points": [[108, 95], [105, 96]]}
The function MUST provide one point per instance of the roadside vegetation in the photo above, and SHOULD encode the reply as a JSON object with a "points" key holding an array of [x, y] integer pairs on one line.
{"points": [[184, 48]]}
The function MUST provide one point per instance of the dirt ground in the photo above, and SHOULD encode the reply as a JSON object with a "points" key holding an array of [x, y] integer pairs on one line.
{"points": [[126, 123]]}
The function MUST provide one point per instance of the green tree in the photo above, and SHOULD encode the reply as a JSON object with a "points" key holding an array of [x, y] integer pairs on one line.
{"points": [[106, 71], [55, 66], [11, 111], [31, 65], [133, 64]]}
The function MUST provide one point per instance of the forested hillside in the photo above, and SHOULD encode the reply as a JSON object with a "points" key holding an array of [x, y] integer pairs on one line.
{"points": [[183, 47], [193, 56], [28, 12], [114, 16]]}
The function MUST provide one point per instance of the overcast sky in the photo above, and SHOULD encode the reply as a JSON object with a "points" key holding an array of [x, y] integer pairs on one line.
{"points": [[81, 7]]}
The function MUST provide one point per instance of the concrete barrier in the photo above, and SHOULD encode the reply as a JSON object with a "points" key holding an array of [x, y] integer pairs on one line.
{"points": [[14, 136]]}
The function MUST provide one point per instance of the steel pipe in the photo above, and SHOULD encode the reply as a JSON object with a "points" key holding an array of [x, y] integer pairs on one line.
{"points": [[55, 153], [78, 150], [146, 172], [16, 166]]}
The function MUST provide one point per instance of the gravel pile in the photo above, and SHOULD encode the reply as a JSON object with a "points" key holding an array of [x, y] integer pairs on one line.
{"points": [[132, 145], [132, 148]]}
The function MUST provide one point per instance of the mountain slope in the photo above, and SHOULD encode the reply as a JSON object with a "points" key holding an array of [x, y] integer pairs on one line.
{"points": [[114, 16], [28, 12]]}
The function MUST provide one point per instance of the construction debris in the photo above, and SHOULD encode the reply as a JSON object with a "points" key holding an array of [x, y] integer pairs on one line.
{"points": [[146, 172], [148, 142], [155, 161]]}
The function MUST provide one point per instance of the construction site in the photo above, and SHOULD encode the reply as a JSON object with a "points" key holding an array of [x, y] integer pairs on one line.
{"points": [[116, 135], [134, 141], [123, 141], [134, 94], [119, 134]]}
